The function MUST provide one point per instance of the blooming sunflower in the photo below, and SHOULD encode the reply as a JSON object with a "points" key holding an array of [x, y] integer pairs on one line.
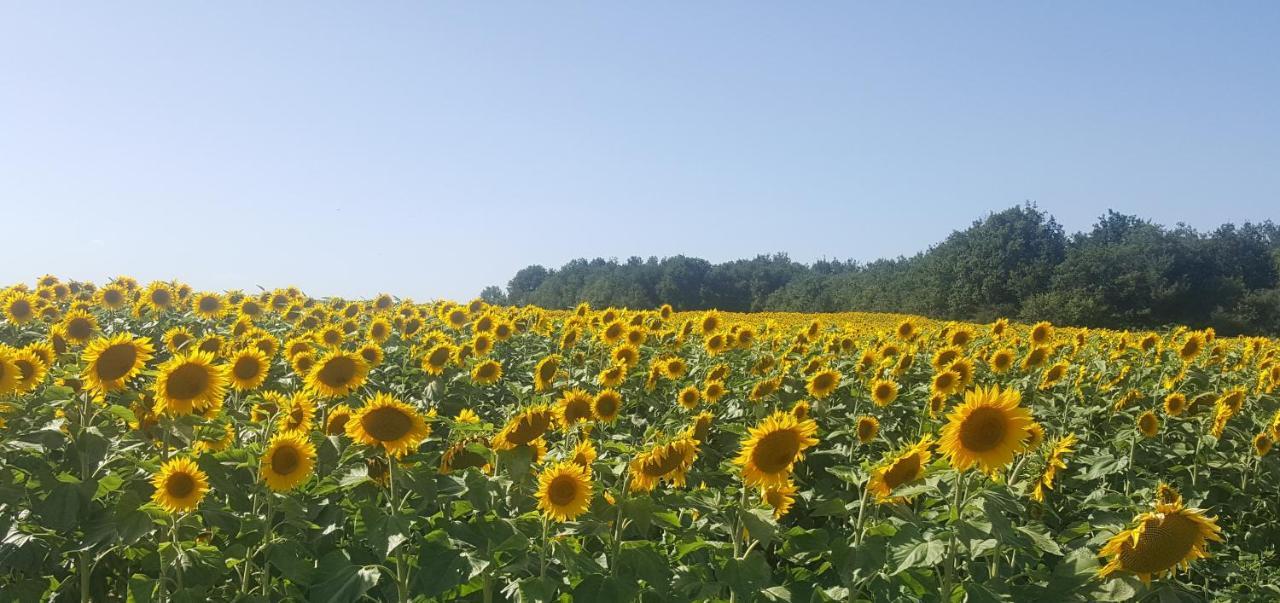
{"points": [[884, 392], [338, 373], [486, 372], [288, 461], [31, 370], [713, 391], [190, 383], [437, 359], [575, 407], [298, 413], [1001, 360], [248, 369], [180, 485], [822, 383], [668, 462], [1172, 536], [79, 326], [606, 405], [1148, 424], [689, 397], [386, 421], [564, 491], [1056, 460], [988, 429], [336, 423], [1175, 404], [111, 362], [584, 454], [904, 468], [208, 305], [773, 447], [945, 383]]}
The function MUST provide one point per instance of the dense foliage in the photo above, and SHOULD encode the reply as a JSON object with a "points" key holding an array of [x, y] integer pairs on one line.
{"points": [[159, 443], [1124, 273]]}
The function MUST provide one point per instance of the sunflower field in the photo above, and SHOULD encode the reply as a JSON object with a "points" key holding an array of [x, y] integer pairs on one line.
{"points": [[159, 443]]}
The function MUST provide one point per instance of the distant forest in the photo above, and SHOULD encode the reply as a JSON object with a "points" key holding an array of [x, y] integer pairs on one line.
{"points": [[1126, 272]]}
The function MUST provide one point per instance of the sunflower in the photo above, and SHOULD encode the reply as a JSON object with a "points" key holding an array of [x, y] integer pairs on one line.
{"points": [[904, 468], [1175, 404], [884, 392], [190, 383], [10, 374], [773, 447], [459, 456], [1172, 536], [822, 383], [44, 351], [386, 421], [180, 485], [867, 429], [525, 427], [1148, 424], [20, 308], [710, 322], [606, 405], [298, 413], [336, 423], [288, 461], [224, 440], [668, 463], [1053, 375], [1262, 444], [689, 397], [1041, 333], [338, 373], [715, 343], [31, 370], [613, 332], [1035, 435], [158, 297], [79, 326], [613, 375], [1001, 360], [988, 429], [629, 355], [487, 372], [764, 388], [112, 297], [248, 369], [945, 383], [713, 391], [544, 373], [584, 454], [111, 362], [780, 498], [564, 491], [1191, 347], [700, 429], [482, 344], [575, 407], [1056, 460], [800, 409], [208, 305]]}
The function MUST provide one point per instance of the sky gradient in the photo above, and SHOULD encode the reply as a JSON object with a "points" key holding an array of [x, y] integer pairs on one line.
{"points": [[428, 150]]}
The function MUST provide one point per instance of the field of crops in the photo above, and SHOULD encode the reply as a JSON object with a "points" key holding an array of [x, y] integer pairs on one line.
{"points": [[159, 443]]}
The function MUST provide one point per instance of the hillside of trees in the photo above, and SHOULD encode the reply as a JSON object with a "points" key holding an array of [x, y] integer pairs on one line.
{"points": [[1126, 272]]}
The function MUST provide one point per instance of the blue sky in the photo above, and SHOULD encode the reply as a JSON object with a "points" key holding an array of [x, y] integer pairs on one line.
{"points": [[430, 149]]}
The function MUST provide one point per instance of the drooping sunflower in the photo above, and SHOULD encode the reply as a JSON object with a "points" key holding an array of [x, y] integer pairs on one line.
{"points": [[1262, 443], [1161, 541], [867, 429], [111, 362], [336, 374], [822, 383], [460, 456], [1056, 460], [190, 383], [988, 429], [525, 427], [669, 462], [606, 405], [544, 374], [486, 372], [904, 468], [564, 491], [773, 447], [1148, 424], [1053, 375], [289, 460], [388, 422], [884, 392], [180, 485], [248, 369], [700, 430], [780, 498]]}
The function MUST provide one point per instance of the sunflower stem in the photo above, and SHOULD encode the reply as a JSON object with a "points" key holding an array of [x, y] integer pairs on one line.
{"points": [[266, 542], [617, 524], [542, 557], [402, 588]]}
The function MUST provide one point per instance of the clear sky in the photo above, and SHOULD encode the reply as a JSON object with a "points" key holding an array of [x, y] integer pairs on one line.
{"points": [[430, 149]]}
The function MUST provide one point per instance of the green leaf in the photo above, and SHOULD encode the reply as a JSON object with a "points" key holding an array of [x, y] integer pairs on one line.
{"points": [[760, 525], [293, 561], [644, 561], [926, 553], [1041, 540], [122, 413], [441, 566], [340, 581], [62, 507]]}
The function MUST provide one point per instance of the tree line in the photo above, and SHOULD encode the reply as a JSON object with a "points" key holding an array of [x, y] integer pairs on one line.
{"points": [[1126, 272]]}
